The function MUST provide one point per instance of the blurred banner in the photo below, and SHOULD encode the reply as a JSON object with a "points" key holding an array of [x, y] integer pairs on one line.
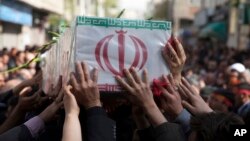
{"points": [[13, 12]]}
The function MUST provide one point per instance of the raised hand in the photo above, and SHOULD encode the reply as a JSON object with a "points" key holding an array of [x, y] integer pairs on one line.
{"points": [[28, 103], [70, 104], [49, 113], [72, 126], [26, 83], [85, 89], [55, 90], [192, 101], [175, 58], [25, 104], [170, 100], [139, 90], [141, 95]]}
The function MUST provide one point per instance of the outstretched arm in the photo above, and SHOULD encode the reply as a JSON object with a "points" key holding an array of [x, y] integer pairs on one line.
{"points": [[175, 58], [192, 100], [25, 104], [98, 126], [72, 126], [141, 95]]}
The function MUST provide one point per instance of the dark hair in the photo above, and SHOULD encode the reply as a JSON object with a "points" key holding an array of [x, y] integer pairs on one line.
{"points": [[214, 126]]}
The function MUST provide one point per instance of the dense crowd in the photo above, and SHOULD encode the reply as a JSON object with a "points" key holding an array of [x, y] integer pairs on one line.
{"points": [[13, 58], [206, 92]]}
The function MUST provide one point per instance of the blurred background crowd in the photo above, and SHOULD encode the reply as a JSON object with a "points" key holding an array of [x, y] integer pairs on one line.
{"points": [[12, 58]]}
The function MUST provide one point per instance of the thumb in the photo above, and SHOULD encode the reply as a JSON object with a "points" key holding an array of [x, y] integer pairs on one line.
{"points": [[67, 90], [25, 91], [36, 95], [60, 96]]}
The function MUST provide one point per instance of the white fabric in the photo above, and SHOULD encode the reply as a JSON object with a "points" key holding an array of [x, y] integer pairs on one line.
{"points": [[238, 67]]}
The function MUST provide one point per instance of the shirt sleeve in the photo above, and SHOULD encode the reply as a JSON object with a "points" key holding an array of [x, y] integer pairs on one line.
{"points": [[36, 126], [183, 119]]}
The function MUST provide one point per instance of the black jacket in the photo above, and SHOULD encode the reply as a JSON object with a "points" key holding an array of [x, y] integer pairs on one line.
{"points": [[164, 132], [99, 127], [19, 133]]}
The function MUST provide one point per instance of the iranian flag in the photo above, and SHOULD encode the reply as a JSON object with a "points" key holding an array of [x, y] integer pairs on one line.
{"points": [[111, 45]]}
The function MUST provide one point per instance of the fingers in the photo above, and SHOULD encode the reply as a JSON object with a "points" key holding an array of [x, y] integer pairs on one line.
{"points": [[187, 106], [67, 93], [84, 75], [79, 72], [73, 80], [95, 75], [171, 55], [166, 56], [182, 93], [169, 84], [85, 71], [145, 76], [136, 77], [123, 83], [129, 78], [25, 91], [59, 97], [171, 79], [40, 99], [186, 91], [67, 90], [35, 98], [179, 49], [188, 86], [166, 80], [166, 94]]}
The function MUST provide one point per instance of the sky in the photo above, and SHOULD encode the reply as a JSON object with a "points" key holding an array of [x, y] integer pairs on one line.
{"points": [[134, 8]]}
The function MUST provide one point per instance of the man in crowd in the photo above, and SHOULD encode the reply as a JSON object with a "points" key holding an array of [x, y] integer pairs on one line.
{"points": [[242, 101]]}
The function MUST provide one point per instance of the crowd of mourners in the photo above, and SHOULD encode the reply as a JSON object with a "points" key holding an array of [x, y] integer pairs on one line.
{"points": [[205, 94], [13, 58]]}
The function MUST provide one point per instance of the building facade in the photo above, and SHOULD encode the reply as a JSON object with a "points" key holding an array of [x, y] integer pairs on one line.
{"points": [[24, 22]]}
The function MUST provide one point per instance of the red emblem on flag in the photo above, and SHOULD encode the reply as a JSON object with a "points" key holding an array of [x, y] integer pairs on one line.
{"points": [[102, 48]]}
